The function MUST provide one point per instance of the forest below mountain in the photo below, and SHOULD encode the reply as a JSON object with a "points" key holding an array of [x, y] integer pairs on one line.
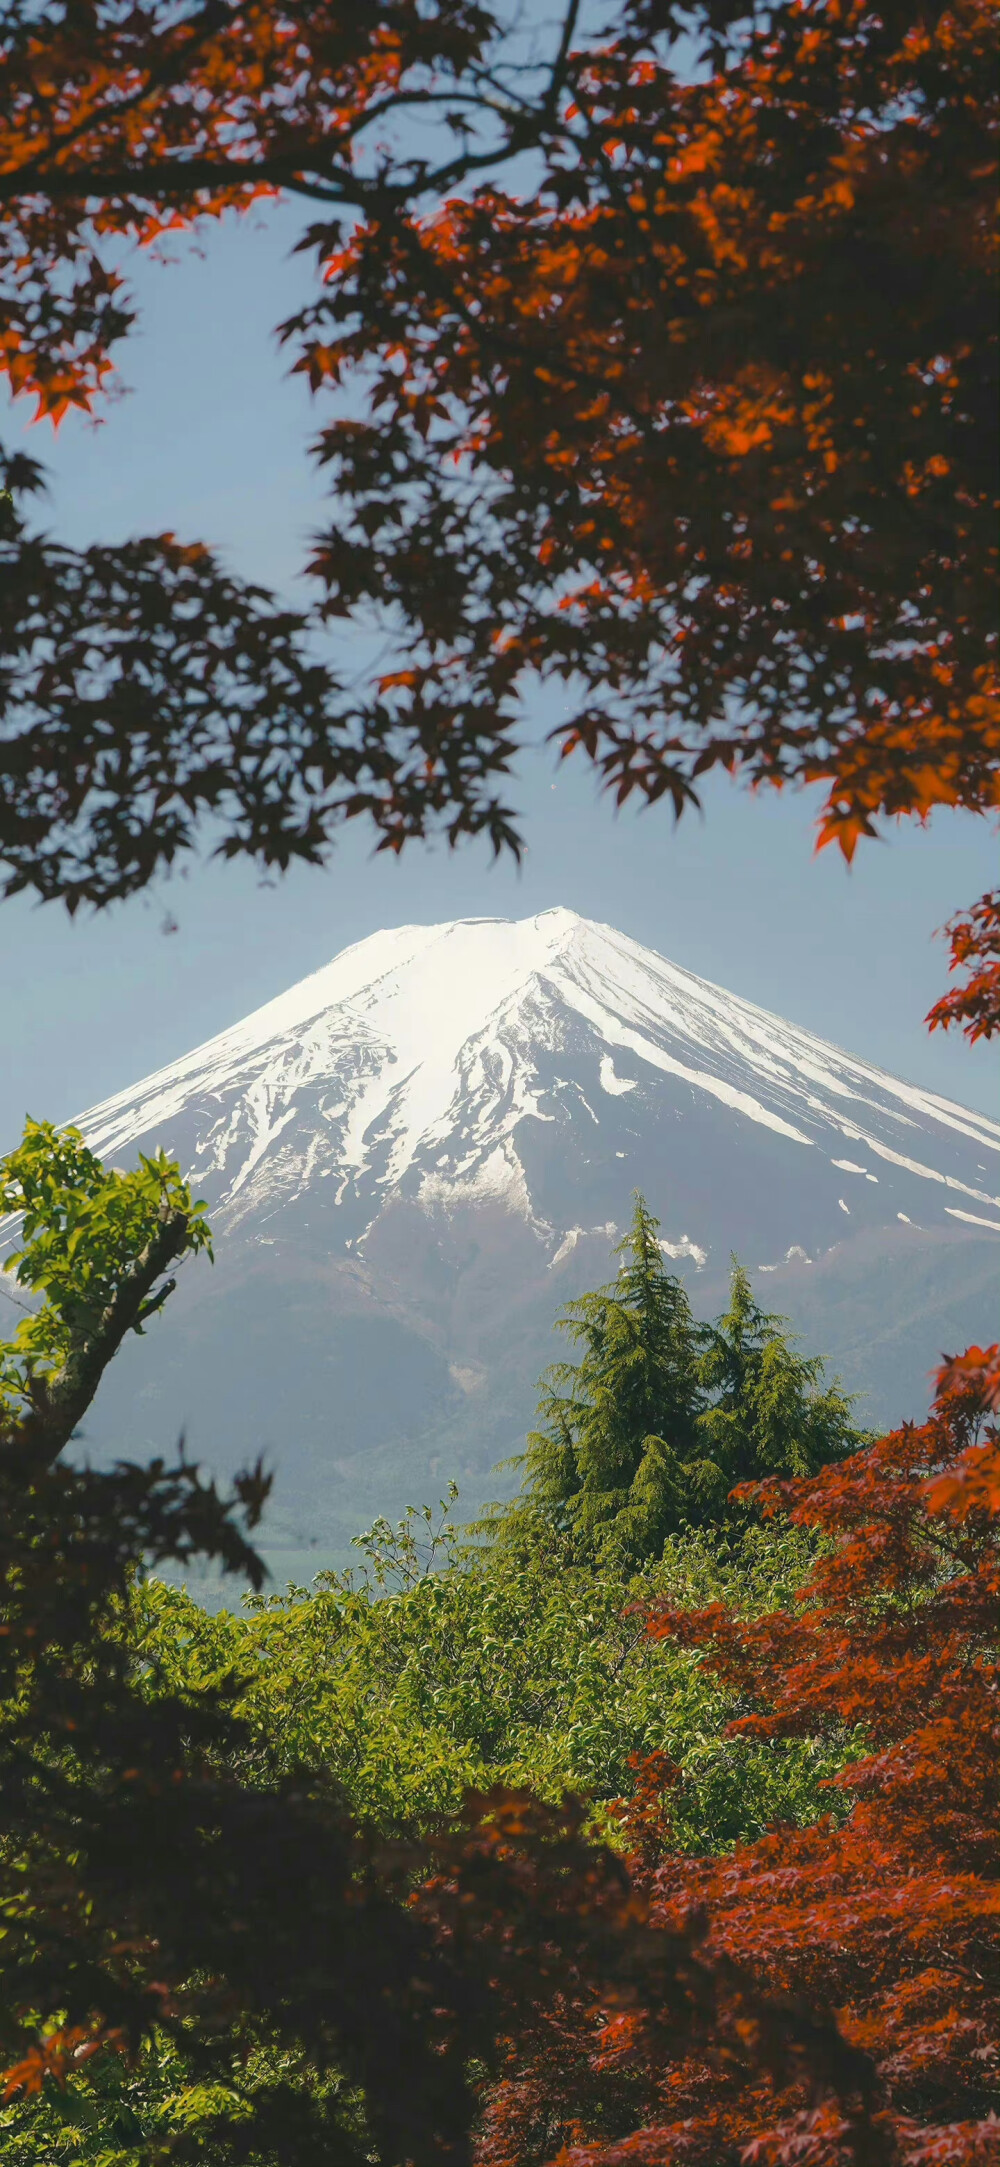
{"points": [[652, 1813]]}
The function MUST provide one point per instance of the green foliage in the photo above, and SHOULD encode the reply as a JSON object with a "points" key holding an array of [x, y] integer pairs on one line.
{"points": [[84, 1229], [158, 2107], [438, 1667], [443, 1669], [210, 1819], [771, 1413], [97, 1246], [660, 1418], [152, 1883]]}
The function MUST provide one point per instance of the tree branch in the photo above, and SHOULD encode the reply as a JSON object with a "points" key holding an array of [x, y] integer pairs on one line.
{"points": [[168, 179], [60, 1401]]}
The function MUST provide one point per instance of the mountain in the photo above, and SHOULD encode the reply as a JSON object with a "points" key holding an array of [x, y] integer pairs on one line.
{"points": [[414, 1156]]}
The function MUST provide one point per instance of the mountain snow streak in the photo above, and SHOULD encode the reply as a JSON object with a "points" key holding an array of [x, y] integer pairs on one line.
{"points": [[426, 1062]]}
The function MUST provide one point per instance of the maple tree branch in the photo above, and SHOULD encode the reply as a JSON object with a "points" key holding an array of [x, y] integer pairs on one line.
{"points": [[525, 121], [163, 179], [171, 178], [59, 1402], [559, 64], [35, 174], [955, 1551], [172, 67]]}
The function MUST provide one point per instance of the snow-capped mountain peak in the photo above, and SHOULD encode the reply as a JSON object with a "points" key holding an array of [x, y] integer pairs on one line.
{"points": [[527, 1060], [413, 1157]]}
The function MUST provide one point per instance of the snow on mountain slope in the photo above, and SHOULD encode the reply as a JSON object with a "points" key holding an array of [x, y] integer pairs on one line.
{"points": [[427, 1063], [415, 1156]]}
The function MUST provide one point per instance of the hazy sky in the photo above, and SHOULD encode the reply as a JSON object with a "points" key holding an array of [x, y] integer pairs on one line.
{"points": [[210, 441]]}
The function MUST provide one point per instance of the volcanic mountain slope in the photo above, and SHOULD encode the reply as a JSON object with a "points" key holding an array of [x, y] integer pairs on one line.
{"points": [[415, 1155]]}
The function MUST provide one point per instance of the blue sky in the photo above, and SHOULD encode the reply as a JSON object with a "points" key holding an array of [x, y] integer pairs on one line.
{"points": [[210, 440]]}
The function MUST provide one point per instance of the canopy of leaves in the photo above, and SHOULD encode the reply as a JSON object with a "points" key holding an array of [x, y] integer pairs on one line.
{"points": [[887, 1915], [445, 1669], [659, 1419], [145, 692], [132, 1892], [433, 1673], [676, 334], [425, 1680], [975, 945]]}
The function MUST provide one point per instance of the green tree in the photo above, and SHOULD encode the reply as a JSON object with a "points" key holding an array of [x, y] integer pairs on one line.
{"points": [[651, 1429], [616, 1458], [161, 2108], [150, 1883], [496, 1665], [95, 1247], [771, 1411]]}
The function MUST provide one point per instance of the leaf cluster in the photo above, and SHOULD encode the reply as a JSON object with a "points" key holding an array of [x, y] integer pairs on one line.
{"points": [[82, 1228], [885, 1914], [497, 1668], [132, 1896], [147, 696], [670, 346]]}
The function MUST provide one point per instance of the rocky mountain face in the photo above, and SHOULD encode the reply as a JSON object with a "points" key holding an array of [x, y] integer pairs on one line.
{"points": [[417, 1154]]}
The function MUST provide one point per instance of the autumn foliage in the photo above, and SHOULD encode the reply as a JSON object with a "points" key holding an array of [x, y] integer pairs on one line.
{"points": [[975, 945], [840, 1995], [671, 347]]}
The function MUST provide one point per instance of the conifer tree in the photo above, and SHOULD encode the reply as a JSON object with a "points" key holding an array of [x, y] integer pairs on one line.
{"points": [[771, 1411], [614, 1462], [652, 1428]]}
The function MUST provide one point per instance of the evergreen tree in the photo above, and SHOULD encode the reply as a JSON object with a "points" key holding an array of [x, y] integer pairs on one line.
{"points": [[770, 1412], [614, 1461], [661, 1417]]}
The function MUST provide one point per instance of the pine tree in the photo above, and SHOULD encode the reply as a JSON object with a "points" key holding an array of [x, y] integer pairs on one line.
{"points": [[771, 1412], [612, 1465], [661, 1416]]}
